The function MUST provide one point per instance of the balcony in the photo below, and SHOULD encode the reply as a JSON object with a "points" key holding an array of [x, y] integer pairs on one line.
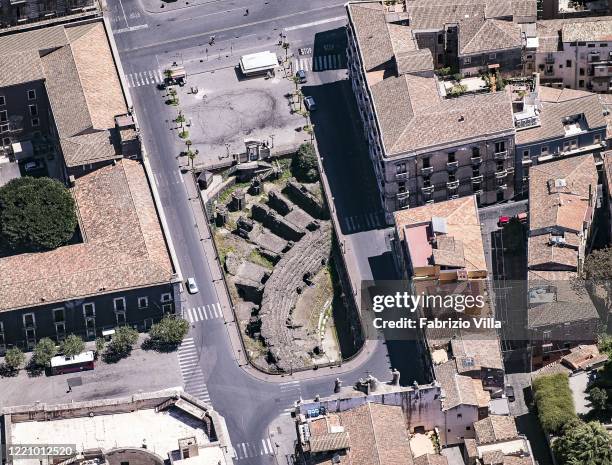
{"points": [[502, 187], [478, 192], [477, 178], [426, 170], [501, 174], [476, 160], [452, 165], [403, 195], [428, 190], [549, 60], [510, 169], [400, 176], [501, 155], [452, 184]]}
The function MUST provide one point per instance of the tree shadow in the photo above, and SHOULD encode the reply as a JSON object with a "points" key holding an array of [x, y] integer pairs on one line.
{"points": [[114, 356], [7, 372], [34, 370], [158, 346]]}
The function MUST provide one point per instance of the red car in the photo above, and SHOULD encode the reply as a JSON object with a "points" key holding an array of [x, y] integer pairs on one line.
{"points": [[503, 220]]}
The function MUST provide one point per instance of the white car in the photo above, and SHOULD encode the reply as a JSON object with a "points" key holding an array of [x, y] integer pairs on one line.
{"points": [[192, 287]]}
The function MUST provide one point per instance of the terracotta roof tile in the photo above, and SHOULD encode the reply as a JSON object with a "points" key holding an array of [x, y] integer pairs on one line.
{"points": [[495, 428], [599, 30], [123, 245]]}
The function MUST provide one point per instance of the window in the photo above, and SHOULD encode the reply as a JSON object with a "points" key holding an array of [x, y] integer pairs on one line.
{"points": [[500, 196], [33, 109], [4, 128], [451, 157], [143, 302], [3, 116], [6, 140], [475, 171], [31, 94], [546, 335], [400, 168], [89, 309], [596, 139], [452, 177], [544, 150], [426, 162], [468, 428], [28, 320], [401, 187], [492, 56], [59, 315], [459, 415], [574, 143], [2, 100], [568, 63], [166, 297], [603, 45], [167, 308], [475, 152], [591, 45], [440, 39], [35, 122], [500, 165], [148, 322], [581, 44], [581, 83], [440, 58], [581, 71], [120, 317], [467, 60], [119, 304], [500, 146], [526, 154]]}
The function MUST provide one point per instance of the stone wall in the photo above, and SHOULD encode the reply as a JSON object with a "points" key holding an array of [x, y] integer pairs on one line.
{"points": [[306, 200], [276, 223]]}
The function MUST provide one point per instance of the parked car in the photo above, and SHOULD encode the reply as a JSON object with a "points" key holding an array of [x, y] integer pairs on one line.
{"points": [[192, 287], [301, 75], [33, 165], [510, 393], [310, 104], [503, 220]]}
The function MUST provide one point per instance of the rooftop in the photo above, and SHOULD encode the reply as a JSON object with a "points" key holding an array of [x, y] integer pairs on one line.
{"points": [[552, 32], [411, 112], [559, 108], [495, 428], [474, 354], [599, 30], [375, 433], [72, 59], [462, 229], [458, 389], [479, 35], [125, 250], [152, 423]]}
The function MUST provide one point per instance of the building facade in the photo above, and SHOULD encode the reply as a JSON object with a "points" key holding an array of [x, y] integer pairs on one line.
{"points": [[20, 12], [424, 146]]}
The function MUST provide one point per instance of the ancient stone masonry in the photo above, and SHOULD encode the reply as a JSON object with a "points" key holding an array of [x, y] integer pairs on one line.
{"points": [[300, 194], [276, 223], [279, 202], [289, 345]]}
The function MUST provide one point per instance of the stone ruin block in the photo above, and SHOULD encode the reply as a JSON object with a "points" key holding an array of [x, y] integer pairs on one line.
{"points": [[276, 223], [245, 223], [306, 200], [279, 202], [249, 289], [238, 201], [221, 216]]}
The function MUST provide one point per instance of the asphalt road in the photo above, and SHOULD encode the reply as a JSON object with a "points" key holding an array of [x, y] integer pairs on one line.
{"points": [[147, 42]]}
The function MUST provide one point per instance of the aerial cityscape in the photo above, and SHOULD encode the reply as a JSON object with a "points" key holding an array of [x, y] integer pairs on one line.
{"points": [[316, 232]]}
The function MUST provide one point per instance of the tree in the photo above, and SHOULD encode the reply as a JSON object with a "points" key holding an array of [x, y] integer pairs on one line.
{"points": [[296, 81], [598, 398], [180, 119], [14, 358], [122, 342], [304, 164], [170, 331], [554, 401], [100, 344], [583, 444], [598, 269], [36, 214], [192, 156], [286, 47], [44, 351], [72, 345]]}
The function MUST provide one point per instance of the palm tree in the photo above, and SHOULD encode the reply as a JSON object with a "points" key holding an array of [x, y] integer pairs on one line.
{"points": [[180, 119], [296, 81], [309, 129], [286, 47], [173, 97], [299, 95], [188, 143], [192, 156]]}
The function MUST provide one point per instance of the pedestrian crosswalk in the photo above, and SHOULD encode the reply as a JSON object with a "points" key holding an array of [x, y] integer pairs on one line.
{"points": [[145, 78], [319, 62], [193, 378], [245, 450], [203, 312], [363, 222], [290, 392]]}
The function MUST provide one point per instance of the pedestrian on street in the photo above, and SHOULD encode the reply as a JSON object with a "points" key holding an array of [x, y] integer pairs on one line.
{"points": [[212, 40], [246, 12]]}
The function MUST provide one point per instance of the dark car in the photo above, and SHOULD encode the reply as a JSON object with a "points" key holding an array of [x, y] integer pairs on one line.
{"points": [[301, 75], [310, 103], [510, 393], [33, 165]]}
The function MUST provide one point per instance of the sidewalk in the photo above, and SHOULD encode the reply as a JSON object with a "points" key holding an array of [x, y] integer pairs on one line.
{"points": [[232, 325]]}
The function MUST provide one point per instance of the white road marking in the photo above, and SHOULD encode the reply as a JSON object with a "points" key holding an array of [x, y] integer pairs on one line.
{"points": [[316, 23]]}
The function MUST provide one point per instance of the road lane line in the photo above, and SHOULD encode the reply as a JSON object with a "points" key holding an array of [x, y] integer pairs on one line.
{"points": [[265, 447], [315, 23]]}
